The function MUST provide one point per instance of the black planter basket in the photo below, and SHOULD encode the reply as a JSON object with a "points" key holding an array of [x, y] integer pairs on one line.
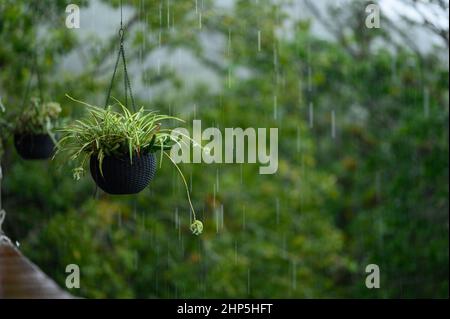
{"points": [[120, 176], [34, 146]]}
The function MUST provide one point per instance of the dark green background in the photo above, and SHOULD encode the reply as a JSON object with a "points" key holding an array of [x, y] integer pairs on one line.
{"points": [[375, 193]]}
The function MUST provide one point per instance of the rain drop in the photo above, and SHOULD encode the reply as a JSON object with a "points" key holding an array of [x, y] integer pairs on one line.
{"points": [[275, 107], [259, 40], [426, 101], [333, 124]]}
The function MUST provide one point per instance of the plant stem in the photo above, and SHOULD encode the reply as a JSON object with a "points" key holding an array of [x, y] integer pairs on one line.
{"points": [[185, 185]]}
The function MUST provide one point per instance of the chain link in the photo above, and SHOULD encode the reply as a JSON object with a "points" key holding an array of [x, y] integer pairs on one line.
{"points": [[112, 80], [127, 80], [127, 83]]}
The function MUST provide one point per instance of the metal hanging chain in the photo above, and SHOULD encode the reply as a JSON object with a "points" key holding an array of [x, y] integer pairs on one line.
{"points": [[112, 79], [121, 34], [39, 79], [127, 80], [34, 69], [27, 88], [121, 54]]}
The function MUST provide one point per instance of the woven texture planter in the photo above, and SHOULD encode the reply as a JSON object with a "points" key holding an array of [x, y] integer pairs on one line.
{"points": [[120, 176], [34, 147]]}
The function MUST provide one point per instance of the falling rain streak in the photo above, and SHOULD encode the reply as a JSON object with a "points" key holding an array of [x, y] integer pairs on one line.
{"points": [[284, 252], [229, 73], [168, 14], [219, 219], [275, 57], [235, 252], [135, 217], [277, 208], [259, 40], [311, 114], [135, 260], [160, 15], [176, 218], [217, 180], [333, 124], [309, 79], [294, 275], [241, 172], [248, 281], [216, 212], [426, 101], [214, 196], [243, 217], [229, 43], [275, 107]]}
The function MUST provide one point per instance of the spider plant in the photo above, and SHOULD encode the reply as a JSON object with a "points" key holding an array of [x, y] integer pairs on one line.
{"points": [[38, 118], [33, 129], [107, 132]]}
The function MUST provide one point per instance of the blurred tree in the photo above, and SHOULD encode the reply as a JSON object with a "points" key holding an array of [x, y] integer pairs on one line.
{"points": [[374, 193], [391, 149]]}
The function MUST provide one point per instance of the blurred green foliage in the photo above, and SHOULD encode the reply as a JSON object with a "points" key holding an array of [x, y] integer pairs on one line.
{"points": [[38, 118], [376, 192]]}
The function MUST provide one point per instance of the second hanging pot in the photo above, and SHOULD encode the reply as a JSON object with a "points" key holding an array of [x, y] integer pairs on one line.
{"points": [[34, 146], [122, 176]]}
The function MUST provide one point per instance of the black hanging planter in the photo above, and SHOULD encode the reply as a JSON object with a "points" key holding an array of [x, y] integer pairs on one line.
{"points": [[34, 146], [120, 176]]}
